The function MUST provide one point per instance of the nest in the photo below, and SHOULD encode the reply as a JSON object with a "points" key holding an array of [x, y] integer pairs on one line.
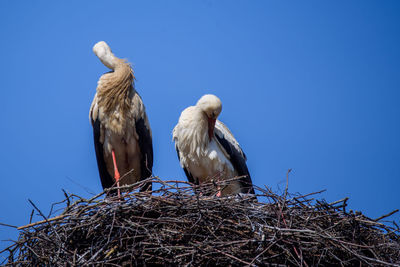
{"points": [[180, 224]]}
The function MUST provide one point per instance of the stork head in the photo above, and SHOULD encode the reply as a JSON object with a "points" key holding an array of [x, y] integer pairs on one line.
{"points": [[211, 106], [104, 53]]}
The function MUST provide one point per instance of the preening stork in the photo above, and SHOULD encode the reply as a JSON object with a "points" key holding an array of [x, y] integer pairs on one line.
{"points": [[207, 149], [122, 134]]}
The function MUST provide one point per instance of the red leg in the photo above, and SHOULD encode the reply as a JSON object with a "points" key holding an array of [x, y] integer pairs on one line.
{"points": [[116, 172]]}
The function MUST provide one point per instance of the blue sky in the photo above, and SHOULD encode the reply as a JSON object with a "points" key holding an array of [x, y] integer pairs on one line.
{"points": [[311, 85]]}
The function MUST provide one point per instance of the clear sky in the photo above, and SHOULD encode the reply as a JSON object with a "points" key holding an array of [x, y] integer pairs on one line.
{"points": [[308, 85]]}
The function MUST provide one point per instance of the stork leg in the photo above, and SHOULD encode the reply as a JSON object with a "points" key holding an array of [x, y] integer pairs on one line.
{"points": [[219, 192], [116, 172]]}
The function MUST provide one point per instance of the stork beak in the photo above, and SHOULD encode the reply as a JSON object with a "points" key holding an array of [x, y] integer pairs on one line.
{"points": [[211, 125]]}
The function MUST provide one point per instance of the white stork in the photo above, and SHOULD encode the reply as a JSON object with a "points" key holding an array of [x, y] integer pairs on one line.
{"points": [[122, 134], [207, 149]]}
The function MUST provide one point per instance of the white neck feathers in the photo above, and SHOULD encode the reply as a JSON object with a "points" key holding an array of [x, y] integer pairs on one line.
{"points": [[103, 52], [191, 132]]}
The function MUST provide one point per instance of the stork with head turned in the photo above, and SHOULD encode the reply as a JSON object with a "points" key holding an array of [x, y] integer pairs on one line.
{"points": [[122, 134], [207, 149]]}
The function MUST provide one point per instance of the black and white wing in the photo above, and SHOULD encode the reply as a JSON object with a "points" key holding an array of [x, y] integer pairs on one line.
{"points": [[146, 148], [189, 176], [106, 180], [236, 155]]}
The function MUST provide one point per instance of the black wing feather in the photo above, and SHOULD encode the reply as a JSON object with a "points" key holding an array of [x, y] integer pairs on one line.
{"points": [[146, 148], [238, 161], [106, 180], [188, 174]]}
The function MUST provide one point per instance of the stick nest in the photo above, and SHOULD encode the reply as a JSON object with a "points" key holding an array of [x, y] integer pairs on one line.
{"points": [[177, 226]]}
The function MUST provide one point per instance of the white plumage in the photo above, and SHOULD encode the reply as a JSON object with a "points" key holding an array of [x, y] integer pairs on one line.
{"points": [[207, 149]]}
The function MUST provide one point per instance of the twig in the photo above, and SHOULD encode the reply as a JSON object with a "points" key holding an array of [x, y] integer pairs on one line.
{"points": [[43, 221], [386, 215]]}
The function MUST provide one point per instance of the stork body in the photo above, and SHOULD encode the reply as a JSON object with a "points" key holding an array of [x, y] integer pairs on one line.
{"points": [[207, 150], [122, 134]]}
